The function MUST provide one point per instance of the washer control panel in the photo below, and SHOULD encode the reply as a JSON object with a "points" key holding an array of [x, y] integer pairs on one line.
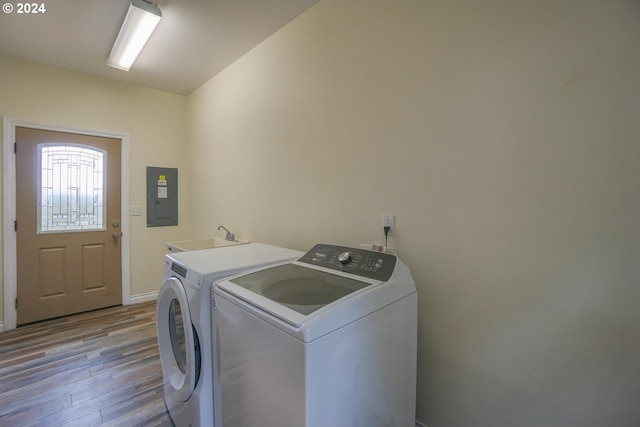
{"points": [[370, 264]]}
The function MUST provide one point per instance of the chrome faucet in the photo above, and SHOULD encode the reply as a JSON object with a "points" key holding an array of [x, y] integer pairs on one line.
{"points": [[230, 236]]}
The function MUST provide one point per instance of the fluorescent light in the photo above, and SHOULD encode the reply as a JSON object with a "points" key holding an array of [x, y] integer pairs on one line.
{"points": [[136, 29]]}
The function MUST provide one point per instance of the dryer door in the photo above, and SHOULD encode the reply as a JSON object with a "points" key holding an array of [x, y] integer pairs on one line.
{"points": [[177, 340]]}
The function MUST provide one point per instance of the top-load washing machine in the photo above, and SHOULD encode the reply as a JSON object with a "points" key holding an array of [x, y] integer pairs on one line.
{"points": [[327, 340], [184, 323]]}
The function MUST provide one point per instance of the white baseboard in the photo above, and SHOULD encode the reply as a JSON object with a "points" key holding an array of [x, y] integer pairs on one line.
{"points": [[149, 296], [419, 424]]}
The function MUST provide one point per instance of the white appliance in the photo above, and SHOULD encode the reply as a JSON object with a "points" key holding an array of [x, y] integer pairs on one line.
{"points": [[184, 323], [327, 340]]}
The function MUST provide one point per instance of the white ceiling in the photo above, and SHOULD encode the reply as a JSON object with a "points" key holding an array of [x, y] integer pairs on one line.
{"points": [[195, 40]]}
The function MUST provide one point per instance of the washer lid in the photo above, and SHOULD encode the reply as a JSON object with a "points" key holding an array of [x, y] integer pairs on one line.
{"points": [[301, 289]]}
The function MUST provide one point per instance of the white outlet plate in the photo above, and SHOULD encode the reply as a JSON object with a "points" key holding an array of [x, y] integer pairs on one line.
{"points": [[389, 220], [135, 211]]}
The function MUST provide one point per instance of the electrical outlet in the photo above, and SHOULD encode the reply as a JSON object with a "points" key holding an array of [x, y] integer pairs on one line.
{"points": [[389, 220], [135, 211]]}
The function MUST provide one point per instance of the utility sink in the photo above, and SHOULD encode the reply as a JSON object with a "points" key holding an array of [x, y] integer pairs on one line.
{"points": [[197, 244]]}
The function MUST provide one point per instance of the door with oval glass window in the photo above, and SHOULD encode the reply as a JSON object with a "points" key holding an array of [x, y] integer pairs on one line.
{"points": [[68, 223]]}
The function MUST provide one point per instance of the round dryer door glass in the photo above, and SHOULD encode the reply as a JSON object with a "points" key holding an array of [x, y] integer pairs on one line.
{"points": [[176, 330]]}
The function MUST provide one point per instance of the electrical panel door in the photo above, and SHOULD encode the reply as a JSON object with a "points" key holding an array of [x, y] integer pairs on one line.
{"points": [[162, 196]]}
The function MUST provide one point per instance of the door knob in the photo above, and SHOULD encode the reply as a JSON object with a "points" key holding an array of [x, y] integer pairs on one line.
{"points": [[115, 224], [115, 236]]}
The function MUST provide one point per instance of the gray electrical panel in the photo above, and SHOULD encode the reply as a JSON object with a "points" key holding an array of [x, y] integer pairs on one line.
{"points": [[162, 196]]}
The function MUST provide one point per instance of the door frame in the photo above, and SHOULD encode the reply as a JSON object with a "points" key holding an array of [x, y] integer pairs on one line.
{"points": [[10, 265]]}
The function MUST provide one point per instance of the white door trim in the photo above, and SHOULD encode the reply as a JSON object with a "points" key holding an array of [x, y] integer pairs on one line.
{"points": [[10, 273]]}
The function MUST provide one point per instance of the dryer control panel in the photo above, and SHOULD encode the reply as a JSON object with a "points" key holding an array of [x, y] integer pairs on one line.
{"points": [[177, 268], [370, 264]]}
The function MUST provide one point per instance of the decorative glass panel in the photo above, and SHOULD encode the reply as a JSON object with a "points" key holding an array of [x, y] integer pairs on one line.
{"points": [[72, 188]]}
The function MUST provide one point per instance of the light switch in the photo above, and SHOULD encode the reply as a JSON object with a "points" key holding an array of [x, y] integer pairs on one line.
{"points": [[135, 211]]}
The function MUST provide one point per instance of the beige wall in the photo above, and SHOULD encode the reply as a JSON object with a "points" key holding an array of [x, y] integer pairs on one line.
{"points": [[504, 136], [156, 125]]}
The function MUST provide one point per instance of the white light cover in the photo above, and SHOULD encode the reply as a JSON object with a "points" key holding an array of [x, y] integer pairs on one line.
{"points": [[136, 29]]}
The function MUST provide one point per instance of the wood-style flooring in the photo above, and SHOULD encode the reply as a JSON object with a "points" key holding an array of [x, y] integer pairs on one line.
{"points": [[93, 369]]}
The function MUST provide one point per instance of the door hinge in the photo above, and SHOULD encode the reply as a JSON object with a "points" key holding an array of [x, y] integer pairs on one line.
{"points": [[16, 303], [15, 225], [15, 147]]}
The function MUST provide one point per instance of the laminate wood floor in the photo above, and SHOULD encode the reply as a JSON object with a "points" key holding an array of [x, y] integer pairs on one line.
{"points": [[93, 369]]}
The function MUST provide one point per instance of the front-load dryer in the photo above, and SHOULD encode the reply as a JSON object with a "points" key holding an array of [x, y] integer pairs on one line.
{"points": [[327, 340], [184, 324]]}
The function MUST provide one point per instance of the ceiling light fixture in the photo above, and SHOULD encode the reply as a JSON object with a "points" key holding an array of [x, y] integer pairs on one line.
{"points": [[136, 29]]}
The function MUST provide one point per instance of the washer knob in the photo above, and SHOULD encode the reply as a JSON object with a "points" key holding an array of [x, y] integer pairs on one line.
{"points": [[344, 258]]}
